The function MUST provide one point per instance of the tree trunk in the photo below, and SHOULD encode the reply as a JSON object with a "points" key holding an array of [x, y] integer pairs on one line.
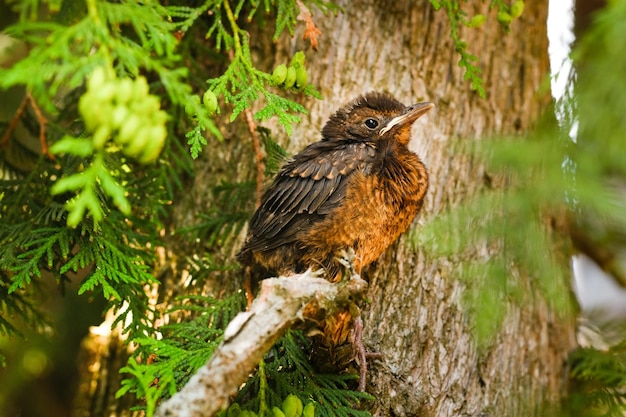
{"points": [[415, 316]]}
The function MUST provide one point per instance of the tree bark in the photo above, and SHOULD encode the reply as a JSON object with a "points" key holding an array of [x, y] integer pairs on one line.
{"points": [[415, 316]]}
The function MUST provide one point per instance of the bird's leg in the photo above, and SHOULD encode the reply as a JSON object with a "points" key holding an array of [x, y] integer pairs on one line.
{"points": [[349, 261], [362, 355]]}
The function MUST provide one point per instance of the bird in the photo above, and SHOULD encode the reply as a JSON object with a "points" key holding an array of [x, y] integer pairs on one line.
{"points": [[358, 188], [354, 191]]}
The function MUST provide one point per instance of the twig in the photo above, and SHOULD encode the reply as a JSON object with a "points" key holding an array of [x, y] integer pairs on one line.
{"points": [[14, 121], [42, 126], [256, 144], [601, 253], [28, 98], [258, 153], [281, 303]]}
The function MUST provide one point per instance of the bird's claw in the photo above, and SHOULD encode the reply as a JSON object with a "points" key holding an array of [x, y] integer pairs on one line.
{"points": [[346, 259]]}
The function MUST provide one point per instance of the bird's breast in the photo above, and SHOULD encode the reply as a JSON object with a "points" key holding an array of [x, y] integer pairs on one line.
{"points": [[379, 205]]}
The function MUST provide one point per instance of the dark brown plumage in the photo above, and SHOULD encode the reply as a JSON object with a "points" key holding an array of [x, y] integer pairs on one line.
{"points": [[360, 187]]}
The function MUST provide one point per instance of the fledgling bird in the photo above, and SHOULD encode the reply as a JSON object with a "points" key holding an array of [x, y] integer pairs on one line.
{"points": [[358, 188]]}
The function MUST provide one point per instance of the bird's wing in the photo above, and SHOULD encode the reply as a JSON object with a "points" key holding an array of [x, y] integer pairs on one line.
{"points": [[307, 188]]}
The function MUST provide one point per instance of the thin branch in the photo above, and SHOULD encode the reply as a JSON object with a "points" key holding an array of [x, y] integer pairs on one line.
{"points": [[281, 303], [602, 253], [42, 126], [258, 153], [28, 99], [14, 121]]}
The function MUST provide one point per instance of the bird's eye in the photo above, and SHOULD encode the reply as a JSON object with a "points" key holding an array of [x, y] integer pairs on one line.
{"points": [[371, 123]]}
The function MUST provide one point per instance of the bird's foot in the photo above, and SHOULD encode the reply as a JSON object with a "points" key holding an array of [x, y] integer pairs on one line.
{"points": [[315, 273], [346, 259]]}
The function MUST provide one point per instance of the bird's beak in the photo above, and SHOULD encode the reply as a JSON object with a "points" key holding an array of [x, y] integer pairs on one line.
{"points": [[410, 114]]}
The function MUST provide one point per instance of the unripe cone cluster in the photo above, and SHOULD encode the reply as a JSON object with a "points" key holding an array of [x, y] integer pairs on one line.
{"points": [[209, 99], [123, 109], [517, 8], [293, 76], [291, 407]]}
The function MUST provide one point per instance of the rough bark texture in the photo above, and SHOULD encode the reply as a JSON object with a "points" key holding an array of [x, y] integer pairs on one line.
{"points": [[415, 316]]}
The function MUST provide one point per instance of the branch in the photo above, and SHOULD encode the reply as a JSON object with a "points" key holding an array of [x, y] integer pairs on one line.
{"points": [[42, 126], [258, 153], [281, 303], [602, 250], [14, 121], [28, 99]]}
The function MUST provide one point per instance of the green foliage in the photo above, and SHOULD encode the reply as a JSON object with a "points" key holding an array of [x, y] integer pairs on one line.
{"points": [[467, 61], [36, 240], [183, 348], [276, 156], [242, 83], [227, 216], [130, 37], [188, 344], [99, 185], [196, 141], [287, 371], [457, 17], [599, 379], [108, 249], [232, 202], [85, 183]]}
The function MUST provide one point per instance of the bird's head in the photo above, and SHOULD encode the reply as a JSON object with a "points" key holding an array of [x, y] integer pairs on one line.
{"points": [[374, 116]]}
